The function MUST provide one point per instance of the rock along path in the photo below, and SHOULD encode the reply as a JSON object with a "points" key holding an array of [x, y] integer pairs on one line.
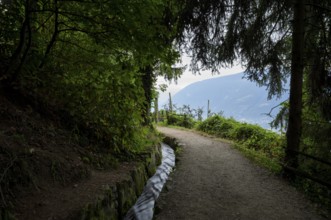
{"points": [[214, 181]]}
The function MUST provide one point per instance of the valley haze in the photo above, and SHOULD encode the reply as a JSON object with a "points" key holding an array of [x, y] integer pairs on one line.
{"points": [[233, 95]]}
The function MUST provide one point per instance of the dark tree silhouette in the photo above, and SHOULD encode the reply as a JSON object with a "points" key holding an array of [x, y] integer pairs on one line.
{"points": [[273, 40]]}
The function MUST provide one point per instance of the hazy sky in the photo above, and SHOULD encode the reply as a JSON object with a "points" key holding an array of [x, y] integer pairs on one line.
{"points": [[188, 78]]}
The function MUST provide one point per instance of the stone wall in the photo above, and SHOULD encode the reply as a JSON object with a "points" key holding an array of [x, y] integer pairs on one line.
{"points": [[118, 199]]}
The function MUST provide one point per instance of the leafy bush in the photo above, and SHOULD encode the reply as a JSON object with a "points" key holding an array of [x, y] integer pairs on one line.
{"points": [[180, 120], [246, 132], [210, 124], [96, 74], [250, 136], [218, 126], [173, 119], [224, 129]]}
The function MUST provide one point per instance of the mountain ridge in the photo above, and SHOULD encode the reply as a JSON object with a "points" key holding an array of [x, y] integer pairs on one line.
{"points": [[234, 96]]}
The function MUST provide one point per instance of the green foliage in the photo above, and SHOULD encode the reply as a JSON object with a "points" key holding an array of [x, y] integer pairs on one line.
{"points": [[219, 126], [316, 141], [252, 137], [85, 59], [180, 120], [184, 116], [271, 39], [260, 158], [247, 132], [220, 32]]}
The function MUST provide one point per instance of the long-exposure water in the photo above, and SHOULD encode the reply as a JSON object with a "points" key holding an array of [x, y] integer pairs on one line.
{"points": [[143, 208]]}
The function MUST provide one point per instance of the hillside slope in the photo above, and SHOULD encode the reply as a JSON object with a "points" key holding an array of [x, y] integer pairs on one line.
{"points": [[235, 96], [49, 171]]}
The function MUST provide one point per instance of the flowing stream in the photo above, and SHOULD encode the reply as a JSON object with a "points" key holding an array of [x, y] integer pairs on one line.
{"points": [[143, 209]]}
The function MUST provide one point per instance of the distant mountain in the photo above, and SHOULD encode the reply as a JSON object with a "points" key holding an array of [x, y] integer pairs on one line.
{"points": [[235, 96]]}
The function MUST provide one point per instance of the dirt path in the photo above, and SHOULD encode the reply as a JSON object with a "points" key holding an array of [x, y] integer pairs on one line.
{"points": [[214, 181]]}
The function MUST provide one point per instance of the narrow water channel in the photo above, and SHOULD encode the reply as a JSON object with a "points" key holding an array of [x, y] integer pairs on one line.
{"points": [[143, 209]]}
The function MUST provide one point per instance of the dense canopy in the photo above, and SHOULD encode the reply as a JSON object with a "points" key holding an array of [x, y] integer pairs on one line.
{"points": [[95, 62]]}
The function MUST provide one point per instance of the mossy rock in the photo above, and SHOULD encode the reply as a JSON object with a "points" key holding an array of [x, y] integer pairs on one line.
{"points": [[173, 143], [117, 200], [153, 161], [139, 177], [105, 208], [126, 196], [158, 154]]}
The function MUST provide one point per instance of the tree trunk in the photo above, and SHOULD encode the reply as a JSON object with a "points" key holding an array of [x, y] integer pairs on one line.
{"points": [[156, 109], [19, 56], [54, 35], [147, 80], [295, 111], [208, 109], [170, 103]]}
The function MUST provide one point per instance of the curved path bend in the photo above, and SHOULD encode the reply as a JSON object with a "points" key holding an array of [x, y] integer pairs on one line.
{"points": [[214, 181]]}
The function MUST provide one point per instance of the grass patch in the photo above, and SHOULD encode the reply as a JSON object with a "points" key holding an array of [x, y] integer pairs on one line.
{"points": [[259, 158]]}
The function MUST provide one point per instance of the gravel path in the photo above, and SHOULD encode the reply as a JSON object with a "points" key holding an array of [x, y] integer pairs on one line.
{"points": [[214, 181]]}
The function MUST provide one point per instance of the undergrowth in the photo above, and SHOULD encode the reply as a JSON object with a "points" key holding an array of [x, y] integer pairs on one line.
{"points": [[38, 152], [266, 147], [260, 158]]}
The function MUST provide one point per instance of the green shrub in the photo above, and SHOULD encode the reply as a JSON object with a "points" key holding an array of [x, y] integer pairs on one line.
{"points": [[209, 124], [246, 131], [225, 127], [180, 120], [173, 119], [217, 125], [250, 136], [186, 122]]}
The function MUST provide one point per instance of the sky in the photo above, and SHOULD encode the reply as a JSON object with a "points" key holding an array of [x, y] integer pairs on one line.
{"points": [[188, 78]]}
